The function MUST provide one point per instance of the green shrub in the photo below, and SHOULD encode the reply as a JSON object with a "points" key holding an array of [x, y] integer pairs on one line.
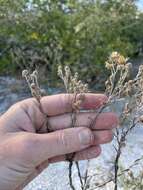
{"points": [[82, 34]]}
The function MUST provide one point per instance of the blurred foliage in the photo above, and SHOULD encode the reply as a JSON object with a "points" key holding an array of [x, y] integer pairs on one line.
{"points": [[45, 33]]}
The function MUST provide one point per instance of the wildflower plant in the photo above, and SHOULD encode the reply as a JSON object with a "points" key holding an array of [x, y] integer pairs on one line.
{"points": [[77, 88], [120, 88], [36, 91]]}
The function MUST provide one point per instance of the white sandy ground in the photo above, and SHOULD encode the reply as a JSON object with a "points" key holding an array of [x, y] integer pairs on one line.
{"points": [[55, 177]]}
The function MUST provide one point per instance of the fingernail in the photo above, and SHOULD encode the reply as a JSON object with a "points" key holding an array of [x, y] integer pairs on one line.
{"points": [[85, 137]]}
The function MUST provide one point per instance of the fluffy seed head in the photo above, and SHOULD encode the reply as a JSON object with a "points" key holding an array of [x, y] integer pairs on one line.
{"points": [[25, 73]]}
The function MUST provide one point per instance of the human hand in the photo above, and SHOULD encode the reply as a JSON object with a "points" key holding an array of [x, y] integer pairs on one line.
{"points": [[26, 148]]}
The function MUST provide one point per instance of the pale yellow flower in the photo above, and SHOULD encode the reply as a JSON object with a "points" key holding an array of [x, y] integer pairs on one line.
{"points": [[115, 55], [34, 36], [121, 60], [118, 58]]}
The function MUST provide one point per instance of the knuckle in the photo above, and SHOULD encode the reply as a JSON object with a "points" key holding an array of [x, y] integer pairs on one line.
{"points": [[25, 104], [62, 139], [22, 105], [15, 106], [66, 102], [90, 135]]}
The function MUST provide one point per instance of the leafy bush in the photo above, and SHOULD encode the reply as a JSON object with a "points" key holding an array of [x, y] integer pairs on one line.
{"points": [[47, 33]]}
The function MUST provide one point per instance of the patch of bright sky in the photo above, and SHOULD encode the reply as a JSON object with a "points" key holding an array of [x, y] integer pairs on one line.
{"points": [[140, 4]]}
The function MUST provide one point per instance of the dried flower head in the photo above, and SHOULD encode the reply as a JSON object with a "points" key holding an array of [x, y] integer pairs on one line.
{"points": [[25, 73], [60, 72], [117, 58], [120, 72], [121, 60], [71, 82], [32, 81], [114, 55]]}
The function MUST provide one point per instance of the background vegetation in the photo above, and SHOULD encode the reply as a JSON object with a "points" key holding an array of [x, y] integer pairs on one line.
{"points": [[45, 33]]}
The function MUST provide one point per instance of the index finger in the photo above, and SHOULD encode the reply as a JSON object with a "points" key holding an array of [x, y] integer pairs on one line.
{"points": [[62, 103]]}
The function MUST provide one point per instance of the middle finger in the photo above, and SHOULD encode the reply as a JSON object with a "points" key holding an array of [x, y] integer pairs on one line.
{"points": [[105, 121]]}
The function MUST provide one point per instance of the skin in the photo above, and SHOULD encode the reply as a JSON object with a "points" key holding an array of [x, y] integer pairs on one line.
{"points": [[26, 148]]}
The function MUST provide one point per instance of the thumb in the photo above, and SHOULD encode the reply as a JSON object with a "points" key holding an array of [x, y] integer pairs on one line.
{"points": [[59, 143]]}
